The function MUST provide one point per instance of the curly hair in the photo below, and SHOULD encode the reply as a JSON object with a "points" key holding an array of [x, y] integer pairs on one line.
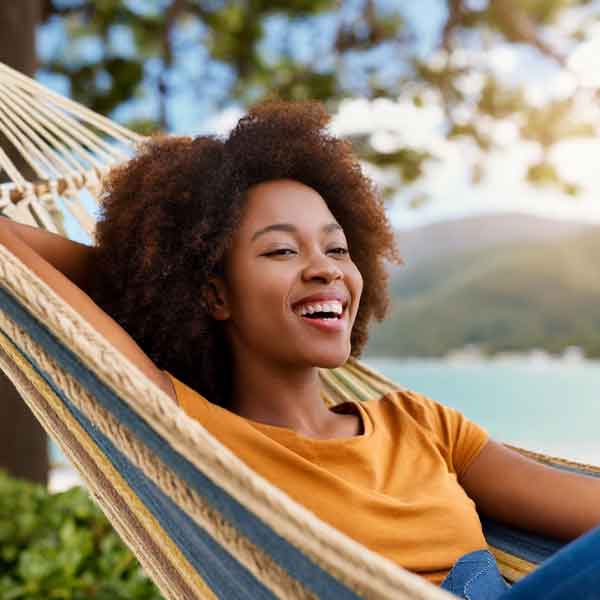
{"points": [[168, 215]]}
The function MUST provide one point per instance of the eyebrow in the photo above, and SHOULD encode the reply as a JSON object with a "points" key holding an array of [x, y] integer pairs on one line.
{"points": [[288, 227]]}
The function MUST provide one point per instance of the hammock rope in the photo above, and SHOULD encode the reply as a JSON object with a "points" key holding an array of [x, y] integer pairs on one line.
{"points": [[68, 148]]}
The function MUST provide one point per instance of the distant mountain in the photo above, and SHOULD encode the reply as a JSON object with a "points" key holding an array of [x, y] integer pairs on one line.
{"points": [[529, 288], [461, 236]]}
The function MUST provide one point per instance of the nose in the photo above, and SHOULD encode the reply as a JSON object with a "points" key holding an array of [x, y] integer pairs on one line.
{"points": [[322, 268]]}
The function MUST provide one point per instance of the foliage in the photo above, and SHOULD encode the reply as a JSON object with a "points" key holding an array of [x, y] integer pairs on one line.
{"points": [[511, 297], [61, 546], [241, 51]]}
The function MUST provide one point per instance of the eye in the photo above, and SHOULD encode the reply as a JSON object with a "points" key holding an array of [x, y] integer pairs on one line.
{"points": [[280, 252], [340, 250]]}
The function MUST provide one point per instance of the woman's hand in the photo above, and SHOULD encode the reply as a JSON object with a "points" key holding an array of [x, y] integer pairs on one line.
{"points": [[509, 487]]}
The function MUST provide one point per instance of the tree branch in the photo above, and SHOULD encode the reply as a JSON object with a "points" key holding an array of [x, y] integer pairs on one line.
{"points": [[172, 14], [456, 11], [517, 26]]}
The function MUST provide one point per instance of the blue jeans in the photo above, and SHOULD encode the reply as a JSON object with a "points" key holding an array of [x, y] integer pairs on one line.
{"points": [[573, 573]]}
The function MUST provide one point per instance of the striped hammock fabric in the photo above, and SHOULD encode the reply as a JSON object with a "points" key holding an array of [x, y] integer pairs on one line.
{"points": [[202, 524]]}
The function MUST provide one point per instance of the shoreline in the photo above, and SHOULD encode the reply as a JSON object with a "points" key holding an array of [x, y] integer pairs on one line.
{"points": [[533, 358]]}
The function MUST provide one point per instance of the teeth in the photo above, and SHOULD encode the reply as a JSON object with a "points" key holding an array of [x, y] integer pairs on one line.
{"points": [[308, 309]]}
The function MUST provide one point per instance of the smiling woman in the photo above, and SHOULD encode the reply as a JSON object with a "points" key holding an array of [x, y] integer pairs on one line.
{"points": [[288, 259]]}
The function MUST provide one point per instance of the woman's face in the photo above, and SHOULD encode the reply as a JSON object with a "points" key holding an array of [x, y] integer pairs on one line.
{"points": [[291, 291]]}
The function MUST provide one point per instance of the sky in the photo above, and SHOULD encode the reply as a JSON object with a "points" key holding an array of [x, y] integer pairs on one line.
{"points": [[448, 181], [392, 123], [504, 188]]}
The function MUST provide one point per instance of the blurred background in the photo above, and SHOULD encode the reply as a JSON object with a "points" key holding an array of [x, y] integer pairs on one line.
{"points": [[477, 119]]}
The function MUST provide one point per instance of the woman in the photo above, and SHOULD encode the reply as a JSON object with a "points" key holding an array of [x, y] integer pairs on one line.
{"points": [[229, 271]]}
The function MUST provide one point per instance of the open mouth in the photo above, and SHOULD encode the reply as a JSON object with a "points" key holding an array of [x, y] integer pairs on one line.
{"points": [[324, 315], [326, 310]]}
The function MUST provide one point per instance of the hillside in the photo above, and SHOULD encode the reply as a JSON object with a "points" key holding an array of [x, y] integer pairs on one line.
{"points": [[507, 296], [462, 236]]}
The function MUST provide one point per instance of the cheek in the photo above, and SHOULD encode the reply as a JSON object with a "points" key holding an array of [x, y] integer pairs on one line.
{"points": [[356, 278], [260, 292], [354, 281]]}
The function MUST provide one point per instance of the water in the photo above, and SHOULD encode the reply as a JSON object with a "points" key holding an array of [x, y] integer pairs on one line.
{"points": [[549, 406]]}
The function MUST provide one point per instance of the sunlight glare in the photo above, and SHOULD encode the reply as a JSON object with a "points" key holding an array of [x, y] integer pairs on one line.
{"points": [[585, 62]]}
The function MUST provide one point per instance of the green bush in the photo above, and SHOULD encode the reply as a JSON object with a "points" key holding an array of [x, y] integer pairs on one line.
{"points": [[61, 546]]}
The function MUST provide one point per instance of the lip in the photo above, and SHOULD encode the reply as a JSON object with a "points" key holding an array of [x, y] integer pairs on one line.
{"points": [[329, 325]]}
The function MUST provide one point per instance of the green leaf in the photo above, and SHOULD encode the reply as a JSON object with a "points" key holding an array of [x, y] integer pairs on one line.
{"points": [[72, 552]]}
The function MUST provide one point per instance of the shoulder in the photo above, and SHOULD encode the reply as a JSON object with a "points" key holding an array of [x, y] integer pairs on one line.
{"points": [[416, 410], [457, 438], [408, 403]]}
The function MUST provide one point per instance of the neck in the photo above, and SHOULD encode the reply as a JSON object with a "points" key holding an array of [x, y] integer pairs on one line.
{"points": [[279, 395]]}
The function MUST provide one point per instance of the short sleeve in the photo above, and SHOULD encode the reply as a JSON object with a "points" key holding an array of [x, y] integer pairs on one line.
{"points": [[459, 438]]}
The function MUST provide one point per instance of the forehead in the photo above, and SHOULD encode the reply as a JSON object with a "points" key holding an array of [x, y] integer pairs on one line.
{"points": [[284, 201]]}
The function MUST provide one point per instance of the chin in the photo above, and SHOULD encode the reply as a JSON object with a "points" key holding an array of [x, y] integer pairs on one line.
{"points": [[330, 360]]}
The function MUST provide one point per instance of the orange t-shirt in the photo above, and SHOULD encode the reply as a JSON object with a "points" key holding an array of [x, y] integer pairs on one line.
{"points": [[393, 488]]}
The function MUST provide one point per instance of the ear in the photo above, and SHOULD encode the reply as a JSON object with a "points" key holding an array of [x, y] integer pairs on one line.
{"points": [[217, 299]]}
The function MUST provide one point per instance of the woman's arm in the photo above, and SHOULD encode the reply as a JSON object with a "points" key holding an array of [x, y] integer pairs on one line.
{"points": [[68, 267], [514, 489], [74, 260]]}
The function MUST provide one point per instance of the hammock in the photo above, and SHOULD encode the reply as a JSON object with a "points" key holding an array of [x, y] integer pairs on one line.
{"points": [[201, 523], [67, 146]]}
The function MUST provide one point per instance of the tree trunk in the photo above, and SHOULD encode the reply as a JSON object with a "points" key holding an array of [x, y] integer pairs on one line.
{"points": [[24, 447]]}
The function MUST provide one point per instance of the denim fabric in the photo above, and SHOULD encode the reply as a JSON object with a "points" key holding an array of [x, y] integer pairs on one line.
{"points": [[475, 576], [573, 573]]}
